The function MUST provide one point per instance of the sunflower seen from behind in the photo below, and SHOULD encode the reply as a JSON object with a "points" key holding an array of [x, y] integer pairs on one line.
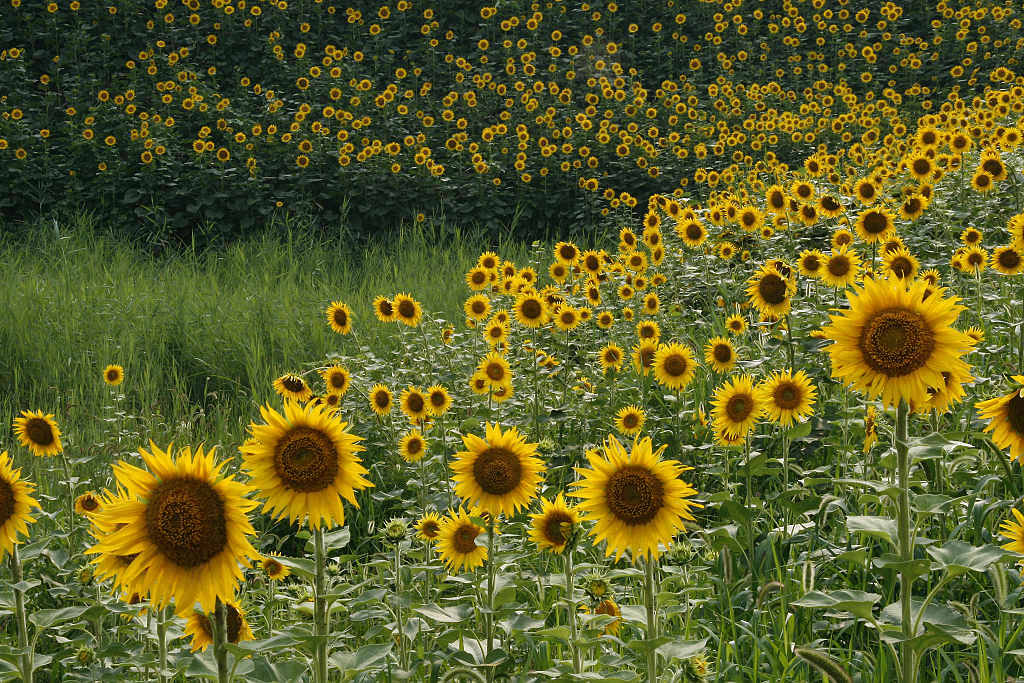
{"points": [[499, 473], [38, 432], [637, 500], [552, 528], [181, 528], [1006, 419], [457, 542], [304, 463], [16, 503]]}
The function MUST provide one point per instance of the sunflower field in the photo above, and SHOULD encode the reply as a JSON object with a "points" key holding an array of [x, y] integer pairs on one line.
{"points": [[755, 414]]}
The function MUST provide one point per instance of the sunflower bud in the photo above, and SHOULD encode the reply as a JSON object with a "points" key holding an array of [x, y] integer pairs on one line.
{"points": [[85, 655], [85, 576], [396, 530]]}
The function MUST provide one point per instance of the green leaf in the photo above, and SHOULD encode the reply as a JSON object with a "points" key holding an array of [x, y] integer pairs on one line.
{"points": [[911, 568], [362, 659], [958, 557], [682, 649], [337, 539], [877, 527], [858, 603], [452, 614], [44, 618]]}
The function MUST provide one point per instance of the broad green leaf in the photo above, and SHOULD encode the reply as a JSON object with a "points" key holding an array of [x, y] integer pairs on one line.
{"points": [[877, 527], [958, 557], [682, 649], [452, 614], [858, 603], [44, 618]]}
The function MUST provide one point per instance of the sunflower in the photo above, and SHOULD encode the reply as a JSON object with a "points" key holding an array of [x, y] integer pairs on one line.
{"points": [[477, 278], [337, 378], [643, 355], [1006, 419], [273, 568], [559, 272], [113, 375], [692, 233], [829, 206], [604, 320], [553, 526], [982, 182], [750, 219], [198, 626], [407, 310], [496, 333], [901, 264], [339, 317], [498, 473], [412, 446], [648, 329], [477, 307], [630, 420], [870, 428], [726, 250], [611, 356], [414, 404], [975, 259], [428, 526], [438, 400], [788, 397], [292, 387], [488, 260], [567, 318], [381, 399], [674, 365], [304, 463], [737, 406], [770, 292], [841, 237], [479, 384], [944, 395], [637, 499], [866, 191], [496, 369], [456, 542], [811, 262], [591, 262], [38, 432], [736, 324], [912, 207], [1008, 260], [720, 354], [651, 303], [971, 236], [502, 393], [841, 267], [87, 503], [384, 309], [894, 343], [186, 524], [874, 224], [608, 607], [530, 310], [567, 252], [16, 503], [1014, 532]]}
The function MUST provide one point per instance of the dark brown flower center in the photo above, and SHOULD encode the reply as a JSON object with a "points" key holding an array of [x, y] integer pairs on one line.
{"points": [[867, 190], [552, 527], [464, 538], [185, 520], [113, 374], [293, 383], [340, 317], [993, 167], [89, 504], [611, 356], [478, 307], [896, 342], [497, 471], [339, 380], [1015, 414], [414, 446], [634, 495], [830, 204], [839, 265], [6, 501], [39, 431], [647, 332], [1008, 258], [983, 180], [772, 289], [438, 399], [675, 365], [306, 460], [812, 262], [531, 309], [407, 309], [414, 402], [478, 277], [922, 166], [567, 252], [901, 267], [630, 420], [739, 407], [875, 222], [975, 258], [234, 624], [386, 309], [843, 239], [722, 353], [787, 395], [429, 528], [495, 372], [647, 357], [381, 399]]}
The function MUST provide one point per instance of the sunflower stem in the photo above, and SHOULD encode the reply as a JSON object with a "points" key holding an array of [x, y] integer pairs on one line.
{"points": [[71, 495], [402, 650], [19, 606], [320, 607], [489, 616], [571, 610], [908, 656], [161, 638], [652, 625], [220, 639], [1020, 336]]}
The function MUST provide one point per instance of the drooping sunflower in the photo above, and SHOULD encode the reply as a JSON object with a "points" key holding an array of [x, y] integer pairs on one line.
{"points": [[736, 324], [38, 432], [1006, 419], [553, 526], [674, 365], [788, 397], [292, 387], [530, 310], [630, 420], [412, 446], [811, 262], [428, 526], [720, 354], [381, 399], [870, 428], [200, 629], [16, 503], [87, 503], [770, 292], [637, 500], [303, 463], [183, 523], [456, 542], [339, 317], [414, 404], [901, 264], [384, 309], [499, 473], [113, 375], [337, 379], [407, 310], [737, 406], [273, 567], [893, 343], [841, 267], [611, 356], [947, 394], [496, 369], [1008, 260]]}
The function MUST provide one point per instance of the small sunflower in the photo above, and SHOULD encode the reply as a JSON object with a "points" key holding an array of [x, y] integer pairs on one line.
{"points": [[414, 404], [381, 399], [87, 503], [477, 307], [339, 317], [610, 356], [16, 503], [496, 333], [496, 369], [736, 324], [870, 428], [38, 432], [292, 387], [198, 626], [407, 310], [841, 238], [412, 446], [273, 568], [941, 397], [113, 375], [893, 343], [566, 318], [637, 499], [788, 397], [1006, 419], [384, 309], [841, 267], [648, 329], [674, 365], [438, 400], [737, 406], [770, 292], [304, 463], [630, 420], [337, 379], [811, 262], [553, 526], [720, 354], [478, 278], [609, 607], [901, 264], [456, 542], [499, 473], [428, 526]]}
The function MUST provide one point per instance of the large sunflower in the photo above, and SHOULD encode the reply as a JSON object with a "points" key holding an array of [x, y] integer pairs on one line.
{"points": [[1006, 419], [16, 503], [339, 317], [292, 387], [720, 354], [553, 526], [637, 499], [304, 463], [498, 473], [736, 407], [184, 525], [456, 542], [770, 292], [38, 432], [788, 397], [674, 365], [894, 344], [199, 628]]}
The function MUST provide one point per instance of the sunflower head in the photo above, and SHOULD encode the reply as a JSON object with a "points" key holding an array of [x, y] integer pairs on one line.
{"points": [[87, 503], [337, 379], [414, 404], [292, 387], [381, 399], [720, 354], [630, 420], [457, 542], [674, 365], [16, 503], [113, 375], [770, 291], [38, 432], [412, 446], [788, 397], [554, 527], [498, 473], [428, 526], [1006, 419], [407, 310], [384, 309], [273, 567], [339, 317], [736, 407], [199, 627]]}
